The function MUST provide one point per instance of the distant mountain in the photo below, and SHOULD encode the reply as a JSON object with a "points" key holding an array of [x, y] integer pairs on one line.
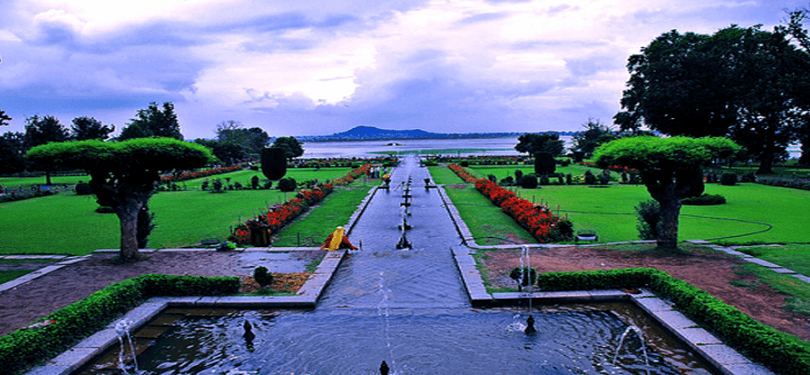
{"points": [[364, 133]]}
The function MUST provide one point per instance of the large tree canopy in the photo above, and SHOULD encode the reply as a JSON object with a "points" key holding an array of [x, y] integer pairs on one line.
{"points": [[153, 122], [85, 128], [744, 83], [536, 143], [123, 174], [671, 168], [292, 148], [42, 130], [4, 118], [595, 135]]}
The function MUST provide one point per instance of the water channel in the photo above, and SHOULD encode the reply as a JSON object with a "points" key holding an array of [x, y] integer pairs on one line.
{"points": [[406, 307]]}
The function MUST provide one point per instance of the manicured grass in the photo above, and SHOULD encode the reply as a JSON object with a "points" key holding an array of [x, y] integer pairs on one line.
{"points": [[299, 174], [610, 211], [68, 224], [791, 256], [443, 175], [334, 211], [6, 276], [56, 180], [502, 171], [58, 224], [485, 219]]}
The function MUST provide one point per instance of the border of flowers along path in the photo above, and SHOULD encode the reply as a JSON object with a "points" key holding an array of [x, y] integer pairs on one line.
{"points": [[538, 220], [185, 176], [278, 216]]}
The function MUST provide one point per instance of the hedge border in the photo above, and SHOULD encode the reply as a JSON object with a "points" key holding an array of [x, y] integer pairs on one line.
{"points": [[753, 339], [24, 348]]}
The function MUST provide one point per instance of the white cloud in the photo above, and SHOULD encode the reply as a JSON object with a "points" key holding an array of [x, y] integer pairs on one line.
{"points": [[319, 67]]}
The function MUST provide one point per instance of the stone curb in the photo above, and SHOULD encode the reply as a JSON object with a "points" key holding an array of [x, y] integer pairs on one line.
{"points": [[40, 272]]}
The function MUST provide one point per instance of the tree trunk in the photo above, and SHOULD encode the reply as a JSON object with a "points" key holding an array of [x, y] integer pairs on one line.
{"points": [[128, 215], [766, 161], [668, 235]]}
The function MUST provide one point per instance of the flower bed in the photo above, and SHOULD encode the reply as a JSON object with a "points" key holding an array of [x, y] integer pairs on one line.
{"points": [[280, 215], [537, 219], [198, 174]]}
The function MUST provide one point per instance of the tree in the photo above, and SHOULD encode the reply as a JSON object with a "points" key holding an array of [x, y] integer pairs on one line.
{"points": [[595, 135], [292, 148], [153, 122], [544, 164], [123, 174], [670, 168], [43, 130], [747, 84], [274, 163], [12, 152], [85, 128], [4, 118], [535, 143]]}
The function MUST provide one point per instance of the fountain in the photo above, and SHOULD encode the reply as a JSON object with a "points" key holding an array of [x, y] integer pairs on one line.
{"points": [[638, 333], [122, 329]]}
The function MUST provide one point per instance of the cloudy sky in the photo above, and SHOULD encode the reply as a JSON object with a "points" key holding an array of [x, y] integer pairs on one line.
{"points": [[324, 66]]}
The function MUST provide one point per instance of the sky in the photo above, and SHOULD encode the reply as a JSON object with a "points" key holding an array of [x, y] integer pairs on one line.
{"points": [[319, 67]]}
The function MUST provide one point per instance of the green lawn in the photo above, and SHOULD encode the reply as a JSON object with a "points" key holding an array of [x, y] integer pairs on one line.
{"points": [[6, 276], [333, 212], [299, 174], [17, 181], [610, 211], [68, 224], [485, 219], [792, 256]]}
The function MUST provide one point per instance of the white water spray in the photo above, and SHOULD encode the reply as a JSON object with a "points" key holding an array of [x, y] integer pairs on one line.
{"points": [[383, 311], [122, 329], [637, 330]]}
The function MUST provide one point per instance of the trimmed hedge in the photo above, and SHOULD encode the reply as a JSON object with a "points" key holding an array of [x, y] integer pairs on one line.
{"points": [[24, 348], [704, 200], [755, 340]]}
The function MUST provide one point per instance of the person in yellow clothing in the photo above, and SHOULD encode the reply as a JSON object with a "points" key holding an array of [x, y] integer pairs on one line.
{"points": [[337, 240]]}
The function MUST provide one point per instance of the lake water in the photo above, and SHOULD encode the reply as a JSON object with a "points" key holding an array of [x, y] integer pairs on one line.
{"points": [[477, 146], [474, 146]]}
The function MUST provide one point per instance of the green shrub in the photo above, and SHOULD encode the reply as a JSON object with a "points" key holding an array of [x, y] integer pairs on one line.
{"points": [[105, 210], [274, 163], [287, 184], [590, 179], [262, 277], [465, 163], [563, 231], [529, 276], [24, 348], [544, 163], [704, 200], [728, 179], [83, 188], [649, 219], [528, 181]]}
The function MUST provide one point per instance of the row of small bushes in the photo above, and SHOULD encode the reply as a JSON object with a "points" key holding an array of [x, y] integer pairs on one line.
{"points": [[21, 193], [24, 348], [704, 200], [774, 349], [793, 183]]}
